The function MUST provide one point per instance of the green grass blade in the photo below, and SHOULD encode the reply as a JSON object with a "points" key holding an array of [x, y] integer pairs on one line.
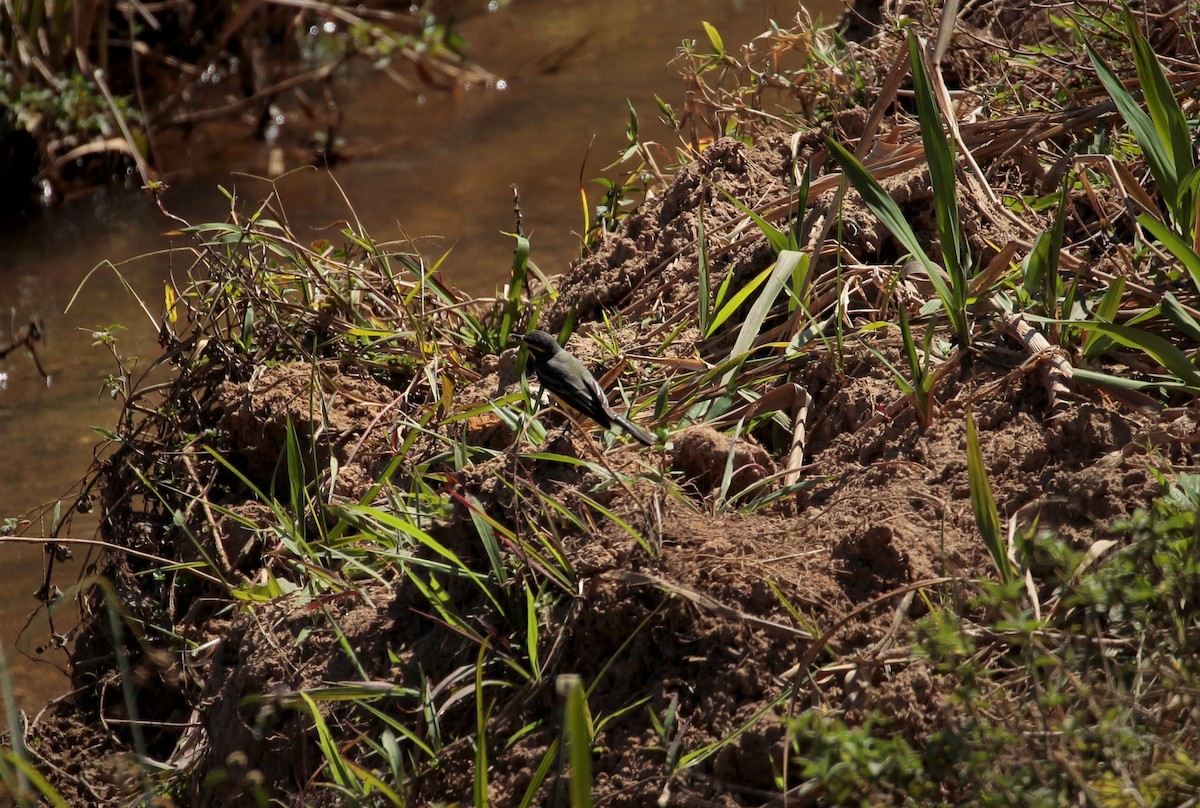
{"points": [[702, 289], [735, 302], [516, 286], [786, 265], [1100, 379], [539, 774], [1168, 118], [1159, 159], [412, 531], [800, 284], [922, 380], [1040, 275], [1157, 348], [481, 714], [35, 778], [939, 153], [532, 632], [800, 200], [778, 239], [884, 207], [910, 348], [1176, 245], [629, 529], [1106, 312], [702, 754], [578, 732], [487, 535], [1174, 311], [373, 784], [897, 376], [16, 730], [983, 502], [409, 735], [338, 770]]}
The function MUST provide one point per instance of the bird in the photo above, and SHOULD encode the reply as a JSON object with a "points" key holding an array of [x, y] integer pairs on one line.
{"points": [[565, 376]]}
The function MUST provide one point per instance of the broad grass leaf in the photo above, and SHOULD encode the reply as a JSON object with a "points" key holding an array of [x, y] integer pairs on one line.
{"points": [[780, 273], [939, 152], [884, 207], [1158, 157], [983, 502], [1167, 116], [1157, 348], [1174, 244]]}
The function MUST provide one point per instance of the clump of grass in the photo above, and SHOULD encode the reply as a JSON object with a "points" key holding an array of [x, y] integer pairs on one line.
{"points": [[260, 307]]}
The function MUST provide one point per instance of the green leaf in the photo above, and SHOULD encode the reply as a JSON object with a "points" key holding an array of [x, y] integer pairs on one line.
{"points": [[516, 286], [487, 535], [702, 289], [409, 529], [1168, 118], [698, 756], [1106, 312], [800, 278], [983, 502], [36, 779], [481, 716], [714, 38], [778, 239], [532, 630], [939, 152], [1176, 245], [1041, 265], [1157, 348], [903, 383], [921, 378], [338, 770], [632, 128], [1100, 379], [1174, 311], [735, 302], [780, 272], [1036, 268], [539, 775], [1159, 159], [889, 213], [579, 739]]}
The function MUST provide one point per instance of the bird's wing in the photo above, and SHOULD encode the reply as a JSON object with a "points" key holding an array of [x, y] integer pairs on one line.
{"points": [[595, 394], [575, 385]]}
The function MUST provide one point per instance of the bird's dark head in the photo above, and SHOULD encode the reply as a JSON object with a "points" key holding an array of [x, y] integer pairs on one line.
{"points": [[541, 344]]}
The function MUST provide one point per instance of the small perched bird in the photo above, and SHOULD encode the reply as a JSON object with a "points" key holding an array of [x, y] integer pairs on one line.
{"points": [[566, 377]]}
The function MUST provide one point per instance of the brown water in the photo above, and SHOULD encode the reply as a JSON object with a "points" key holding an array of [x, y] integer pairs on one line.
{"points": [[439, 167]]}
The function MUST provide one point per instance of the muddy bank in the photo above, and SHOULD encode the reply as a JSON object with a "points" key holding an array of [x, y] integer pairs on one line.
{"points": [[470, 147], [385, 555]]}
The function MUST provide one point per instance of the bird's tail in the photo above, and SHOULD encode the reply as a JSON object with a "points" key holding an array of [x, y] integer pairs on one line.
{"points": [[636, 432]]}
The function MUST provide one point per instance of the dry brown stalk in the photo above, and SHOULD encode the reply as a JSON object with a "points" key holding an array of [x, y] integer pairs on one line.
{"points": [[1057, 370]]}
